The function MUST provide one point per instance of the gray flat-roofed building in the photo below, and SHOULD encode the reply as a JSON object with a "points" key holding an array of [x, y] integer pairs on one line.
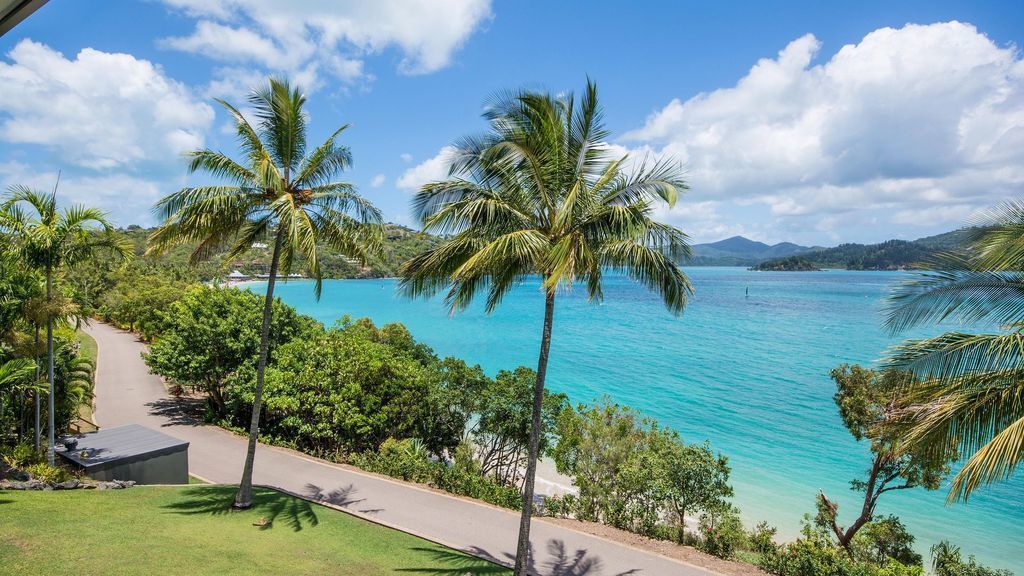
{"points": [[130, 452]]}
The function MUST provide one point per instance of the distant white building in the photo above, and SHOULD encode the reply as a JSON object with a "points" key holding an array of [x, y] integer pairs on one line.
{"points": [[259, 245], [236, 275]]}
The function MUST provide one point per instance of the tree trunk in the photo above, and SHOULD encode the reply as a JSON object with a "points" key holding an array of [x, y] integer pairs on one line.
{"points": [[50, 420], [244, 497], [523, 546], [35, 394]]}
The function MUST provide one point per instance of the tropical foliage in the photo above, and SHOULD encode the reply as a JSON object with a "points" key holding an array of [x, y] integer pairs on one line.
{"points": [[50, 241], [866, 399], [541, 195], [970, 393], [278, 192], [633, 474]]}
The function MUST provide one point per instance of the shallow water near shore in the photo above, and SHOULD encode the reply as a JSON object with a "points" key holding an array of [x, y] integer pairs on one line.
{"points": [[745, 366]]}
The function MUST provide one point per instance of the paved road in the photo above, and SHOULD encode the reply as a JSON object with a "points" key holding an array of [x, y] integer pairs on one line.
{"points": [[127, 393]]}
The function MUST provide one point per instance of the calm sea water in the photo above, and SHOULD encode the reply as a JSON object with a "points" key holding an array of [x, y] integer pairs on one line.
{"points": [[747, 372]]}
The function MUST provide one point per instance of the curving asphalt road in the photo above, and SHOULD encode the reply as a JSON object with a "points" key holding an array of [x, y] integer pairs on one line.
{"points": [[127, 393]]}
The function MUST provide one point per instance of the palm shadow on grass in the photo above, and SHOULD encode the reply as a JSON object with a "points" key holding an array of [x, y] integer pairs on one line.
{"points": [[559, 562], [270, 506]]}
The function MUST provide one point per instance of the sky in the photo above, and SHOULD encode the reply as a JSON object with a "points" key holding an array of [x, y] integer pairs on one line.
{"points": [[815, 122]]}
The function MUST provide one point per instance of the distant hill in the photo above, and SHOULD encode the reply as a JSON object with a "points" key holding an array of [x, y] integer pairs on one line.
{"points": [[790, 264], [740, 251], [888, 255]]}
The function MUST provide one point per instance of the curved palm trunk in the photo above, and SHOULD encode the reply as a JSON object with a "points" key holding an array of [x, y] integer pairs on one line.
{"points": [[50, 420], [243, 499], [523, 546], [36, 393]]}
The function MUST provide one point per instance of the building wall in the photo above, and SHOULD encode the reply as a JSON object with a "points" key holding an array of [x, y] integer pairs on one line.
{"points": [[165, 469]]}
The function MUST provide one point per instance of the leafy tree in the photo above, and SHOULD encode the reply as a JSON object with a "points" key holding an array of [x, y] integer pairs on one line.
{"points": [[540, 195], [969, 396], [450, 405], [502, 432], [633, 474], [279, 191], [52, 240], [211, 333], [883, 539], [866, 398], [343, 390], [694, 478]]}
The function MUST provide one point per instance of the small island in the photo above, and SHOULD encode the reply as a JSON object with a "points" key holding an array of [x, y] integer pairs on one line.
{"points": [[791, 264]]}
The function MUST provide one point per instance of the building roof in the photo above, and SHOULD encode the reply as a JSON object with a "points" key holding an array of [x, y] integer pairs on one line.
{"points": [[14, 11], [121, 445], [237, 274]]}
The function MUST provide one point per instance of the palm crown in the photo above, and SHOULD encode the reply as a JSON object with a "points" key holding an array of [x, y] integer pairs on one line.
{"points": [[51, 239], [971, 398], [540, 194], [277, 188]]}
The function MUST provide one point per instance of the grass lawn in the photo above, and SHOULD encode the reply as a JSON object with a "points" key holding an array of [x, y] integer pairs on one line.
{"points": [[190, 530]]}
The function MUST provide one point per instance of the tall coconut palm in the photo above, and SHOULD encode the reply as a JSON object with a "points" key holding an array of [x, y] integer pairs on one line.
{"points": [[52, 241], [971, 396], [279, 190], [541, 195]]}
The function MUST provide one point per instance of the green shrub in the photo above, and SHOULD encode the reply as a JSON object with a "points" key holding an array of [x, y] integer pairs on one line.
{"points": [[947, 560], [22, 455], [405, 459], [816, 555], [762, 538], [47, 473], [722, 532], [410, 460]]}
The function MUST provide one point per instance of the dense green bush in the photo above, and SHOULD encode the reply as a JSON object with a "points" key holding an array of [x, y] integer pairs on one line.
{"points": [[21, 455], [762, 538], [814, 554], [409, 460], [722, 532], [947, 560], [633, 474], [212, 334], [47, 473]]}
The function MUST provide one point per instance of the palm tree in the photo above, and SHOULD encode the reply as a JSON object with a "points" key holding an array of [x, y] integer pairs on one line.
{"points": [[280, 190], [541, 195], [971, 395], [17, 377], [53, 240]]}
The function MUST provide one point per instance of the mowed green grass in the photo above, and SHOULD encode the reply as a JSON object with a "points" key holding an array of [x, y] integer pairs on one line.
{"points": [[191, 530]]}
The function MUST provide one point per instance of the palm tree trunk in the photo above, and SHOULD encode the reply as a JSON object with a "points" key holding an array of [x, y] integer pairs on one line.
{"points": [[523, 546], [36, 393], [50, 420], [244, 497]]}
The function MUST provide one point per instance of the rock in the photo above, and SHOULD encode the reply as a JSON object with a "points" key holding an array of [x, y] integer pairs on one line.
{"points": [[69, 485]]}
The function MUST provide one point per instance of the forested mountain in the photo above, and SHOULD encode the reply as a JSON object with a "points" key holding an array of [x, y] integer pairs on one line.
{"points": [[740, 251], [888, 255]]}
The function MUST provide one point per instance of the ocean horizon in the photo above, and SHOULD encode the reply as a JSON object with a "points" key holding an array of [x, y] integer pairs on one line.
{"points": [[745, 367]]}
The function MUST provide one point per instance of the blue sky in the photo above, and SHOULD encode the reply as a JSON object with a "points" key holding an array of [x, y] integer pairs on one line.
{"points": [[815, 122]]}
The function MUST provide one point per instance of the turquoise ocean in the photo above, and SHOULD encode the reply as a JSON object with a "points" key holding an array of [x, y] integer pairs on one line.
{"points": [[745, 366]]}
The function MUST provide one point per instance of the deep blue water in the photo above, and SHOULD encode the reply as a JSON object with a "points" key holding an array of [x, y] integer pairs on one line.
{"points": [[749, 373]]}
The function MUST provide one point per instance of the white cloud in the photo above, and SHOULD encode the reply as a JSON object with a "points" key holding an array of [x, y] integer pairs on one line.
{"points": [[318, 36], [128, 199], [406, 157], [925, 119], [377, 181], [430, 170], [100, 110]]}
